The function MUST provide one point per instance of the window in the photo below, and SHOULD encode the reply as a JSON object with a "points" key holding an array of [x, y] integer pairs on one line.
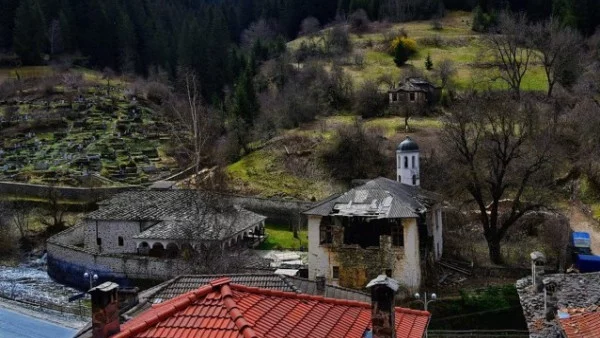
{"points": [[414, 179], [335, 272], [120, 241], [413, 162], [397, 235], [98, 241], [399, 178], [326, 236], [405, 161], [412, 97]]}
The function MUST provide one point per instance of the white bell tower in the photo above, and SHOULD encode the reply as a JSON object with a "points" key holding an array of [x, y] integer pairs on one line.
{"points": [[407, 162]]}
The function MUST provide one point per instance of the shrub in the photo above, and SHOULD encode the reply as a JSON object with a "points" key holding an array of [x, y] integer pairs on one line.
{"points": [[357, 153], [404, 48], [359, 21], [368, 101]]}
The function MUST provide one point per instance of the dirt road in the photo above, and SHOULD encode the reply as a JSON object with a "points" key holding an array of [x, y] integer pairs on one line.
{"points": [[583, 222]]}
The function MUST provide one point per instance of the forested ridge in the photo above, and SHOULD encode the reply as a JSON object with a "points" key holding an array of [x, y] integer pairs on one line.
{"points": [[140, 36]]}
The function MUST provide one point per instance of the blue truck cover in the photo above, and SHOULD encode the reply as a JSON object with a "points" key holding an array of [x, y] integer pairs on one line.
{"points": [[588, 263], [581, 240]]}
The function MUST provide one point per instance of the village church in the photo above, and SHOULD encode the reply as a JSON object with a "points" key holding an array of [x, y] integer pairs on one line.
{"points": [[381, 226]]}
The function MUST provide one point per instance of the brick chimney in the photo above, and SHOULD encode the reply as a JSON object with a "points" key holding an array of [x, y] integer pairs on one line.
{"points": [[105, 310], [383, 291]]}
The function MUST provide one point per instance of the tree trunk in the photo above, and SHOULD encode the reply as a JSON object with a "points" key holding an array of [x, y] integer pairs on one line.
{"points": [[494, 250]]}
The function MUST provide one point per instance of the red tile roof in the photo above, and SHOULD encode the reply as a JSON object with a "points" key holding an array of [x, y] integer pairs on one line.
{"points": [[586, 325], [222, 310]]}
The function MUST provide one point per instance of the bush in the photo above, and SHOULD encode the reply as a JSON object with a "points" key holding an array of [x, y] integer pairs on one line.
{"points": [[368, 101], [357, 153], [359, 21], [337, 41], [157, 92], [404, 48]]}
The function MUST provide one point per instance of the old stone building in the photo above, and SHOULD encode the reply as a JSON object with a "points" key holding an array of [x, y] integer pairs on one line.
{"points": [[381, 226], [414, 91], [163, 223]]}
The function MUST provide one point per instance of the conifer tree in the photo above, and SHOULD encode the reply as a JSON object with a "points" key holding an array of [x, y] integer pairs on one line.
{"points": [[428, 62], [30, 38]]}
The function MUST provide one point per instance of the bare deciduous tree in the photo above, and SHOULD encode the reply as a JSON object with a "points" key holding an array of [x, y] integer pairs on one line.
{"points": [[258, 30], [559, 51], [510, 50], [211, 224], [497, 150], [309, 26], [447, 71], [192, 123], [53, 215]]}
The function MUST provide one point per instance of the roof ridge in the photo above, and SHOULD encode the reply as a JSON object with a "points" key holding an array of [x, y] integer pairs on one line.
{"points": [[290, 284], [168, 308], [302, 296], [237, 316]]}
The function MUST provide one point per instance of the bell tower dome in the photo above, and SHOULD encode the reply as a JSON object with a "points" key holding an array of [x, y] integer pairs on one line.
{"points": [[407, 162]]}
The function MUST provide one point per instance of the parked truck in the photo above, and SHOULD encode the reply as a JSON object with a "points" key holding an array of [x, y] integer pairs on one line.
{"points": [[581, 251]]}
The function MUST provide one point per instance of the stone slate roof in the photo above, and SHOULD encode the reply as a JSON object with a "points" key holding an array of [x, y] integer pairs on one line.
{"points": [[379, 198], [146, 205], [183, 284], [577, 292], [414, 84], [158, 205], [207, 227]]}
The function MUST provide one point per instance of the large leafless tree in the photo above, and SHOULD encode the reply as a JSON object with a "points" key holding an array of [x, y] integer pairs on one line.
{"points": [[560, 52], [499, 150], [509, 50]]}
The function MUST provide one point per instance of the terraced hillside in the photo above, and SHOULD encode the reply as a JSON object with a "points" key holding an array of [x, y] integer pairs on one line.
{"points": [[62, 135]]}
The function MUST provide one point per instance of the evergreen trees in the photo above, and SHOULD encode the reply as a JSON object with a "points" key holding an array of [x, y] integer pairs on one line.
{"points": [[29, 37]]}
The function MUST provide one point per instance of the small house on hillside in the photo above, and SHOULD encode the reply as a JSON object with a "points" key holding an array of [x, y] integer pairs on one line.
{"points": [[416, 91]]}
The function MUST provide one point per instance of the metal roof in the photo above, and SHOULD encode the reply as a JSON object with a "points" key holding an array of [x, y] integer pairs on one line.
{"points": [[378, 198], [408, 145]]}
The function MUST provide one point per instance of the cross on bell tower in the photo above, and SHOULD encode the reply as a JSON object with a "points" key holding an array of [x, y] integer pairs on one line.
{"points": [[407, 162]]}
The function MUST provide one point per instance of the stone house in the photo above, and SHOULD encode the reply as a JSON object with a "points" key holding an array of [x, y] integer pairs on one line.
{"points": [[415, 91], [381, 226], [164, 223]]}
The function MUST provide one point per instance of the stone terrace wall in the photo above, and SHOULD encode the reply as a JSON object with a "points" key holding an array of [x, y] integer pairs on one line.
{"points": [[68, 261], [69, 193]]}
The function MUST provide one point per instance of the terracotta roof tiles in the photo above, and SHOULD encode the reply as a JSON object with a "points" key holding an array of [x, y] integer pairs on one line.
{"points": [[224, 309], [586, 325]]}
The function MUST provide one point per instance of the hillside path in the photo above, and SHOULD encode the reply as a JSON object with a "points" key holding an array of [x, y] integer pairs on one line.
{"points": [[580, 221]]}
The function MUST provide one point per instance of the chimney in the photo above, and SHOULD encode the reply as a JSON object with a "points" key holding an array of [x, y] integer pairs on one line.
{"points": [[105, 310], [383, 291], [320, 281]]}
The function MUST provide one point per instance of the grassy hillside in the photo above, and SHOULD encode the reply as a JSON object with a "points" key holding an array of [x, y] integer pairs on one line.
{"points": [[455, 41], [289, 166]]}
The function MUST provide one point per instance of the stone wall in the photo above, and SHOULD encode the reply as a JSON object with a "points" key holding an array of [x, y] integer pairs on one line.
{"points": [[68, 261], [69, 193], [276, 210]]}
